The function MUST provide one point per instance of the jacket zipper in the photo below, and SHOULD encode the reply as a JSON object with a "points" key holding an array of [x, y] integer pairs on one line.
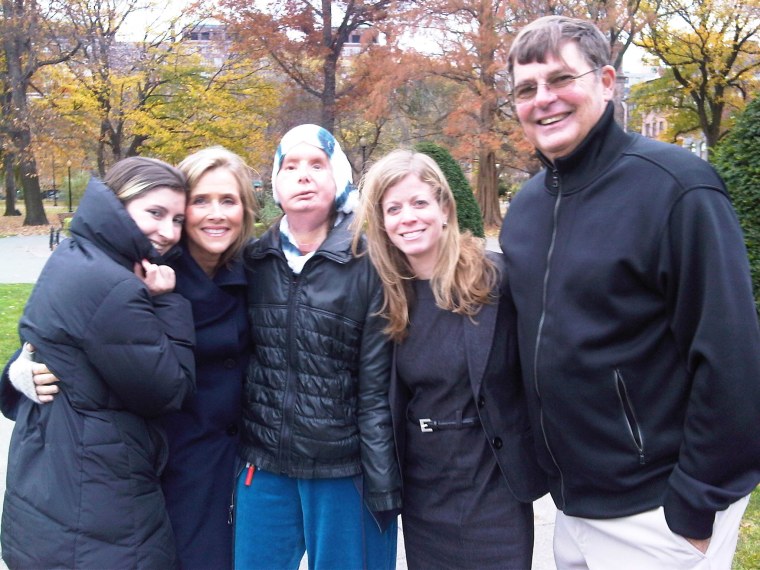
{"points": [[288, 403], [549, 254], [630, 416]]}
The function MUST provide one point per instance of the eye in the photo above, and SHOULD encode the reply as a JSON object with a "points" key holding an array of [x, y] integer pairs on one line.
{"points": [[198, 200], [229, 201], [561, 81], [178, 220], [420, 203], [392, 209], [155, 213], [525, 91]]}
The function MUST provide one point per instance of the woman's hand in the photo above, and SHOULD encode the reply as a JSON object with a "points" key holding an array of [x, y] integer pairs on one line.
{"points": [[159, 279]]}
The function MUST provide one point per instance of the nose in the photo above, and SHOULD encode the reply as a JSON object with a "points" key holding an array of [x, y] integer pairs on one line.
{"points": [[168, 230], [407, 214], [303, 171], [216, 210], [544, 94]]}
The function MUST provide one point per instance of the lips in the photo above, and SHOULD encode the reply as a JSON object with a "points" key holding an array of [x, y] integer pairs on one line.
{"points": [[551, 120], [411, 235], [160, 247], [214, 232]]}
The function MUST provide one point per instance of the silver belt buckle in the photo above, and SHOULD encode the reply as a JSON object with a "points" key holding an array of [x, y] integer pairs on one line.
{"points": [[424, 425]]}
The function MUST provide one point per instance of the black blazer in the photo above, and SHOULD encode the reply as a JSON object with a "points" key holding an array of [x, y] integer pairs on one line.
{"points": [[494, 371]]}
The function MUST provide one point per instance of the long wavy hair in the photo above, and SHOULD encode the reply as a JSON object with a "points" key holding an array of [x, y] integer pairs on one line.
{"points": [[463, 278], [211, 158]]}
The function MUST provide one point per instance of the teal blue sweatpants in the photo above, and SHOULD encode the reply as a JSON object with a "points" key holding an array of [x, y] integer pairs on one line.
{"points": [[278, 518]]}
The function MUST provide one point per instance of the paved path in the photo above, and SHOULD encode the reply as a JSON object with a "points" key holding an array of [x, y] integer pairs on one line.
{"points": [[21, 260]]}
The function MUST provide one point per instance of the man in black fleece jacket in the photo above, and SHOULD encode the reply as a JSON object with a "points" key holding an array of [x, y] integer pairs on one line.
{"points": [[638, 333]]}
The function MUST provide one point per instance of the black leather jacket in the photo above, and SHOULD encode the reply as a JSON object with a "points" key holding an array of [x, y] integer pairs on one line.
{"points": [[316, 393]]}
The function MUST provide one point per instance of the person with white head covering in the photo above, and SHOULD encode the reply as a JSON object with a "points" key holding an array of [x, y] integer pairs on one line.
{"points": [[320, 472]]}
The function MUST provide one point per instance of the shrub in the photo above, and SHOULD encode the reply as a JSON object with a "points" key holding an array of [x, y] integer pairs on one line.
{"points": [[468, 211], [738, 161]]}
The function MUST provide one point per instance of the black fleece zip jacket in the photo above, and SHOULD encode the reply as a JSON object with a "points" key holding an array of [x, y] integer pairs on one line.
{"points": [[637, 329]]}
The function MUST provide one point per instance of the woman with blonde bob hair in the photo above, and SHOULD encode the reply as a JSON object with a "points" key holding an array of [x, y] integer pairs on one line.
{"points": [[459, 417]]}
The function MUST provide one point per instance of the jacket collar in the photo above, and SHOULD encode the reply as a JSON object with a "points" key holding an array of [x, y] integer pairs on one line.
{"points": [[337, 244], [603, 144]]}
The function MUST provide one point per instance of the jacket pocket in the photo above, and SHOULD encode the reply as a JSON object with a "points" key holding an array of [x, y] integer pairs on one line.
{"points": [[629, 415]]}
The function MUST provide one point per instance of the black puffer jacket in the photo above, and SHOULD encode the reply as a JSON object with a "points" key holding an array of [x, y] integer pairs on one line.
{"points": [[316, 396], [83, 488]]}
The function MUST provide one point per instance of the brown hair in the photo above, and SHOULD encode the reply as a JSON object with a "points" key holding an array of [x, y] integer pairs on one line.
{"points": [[134, 176], [545, 37], [463, 277]]}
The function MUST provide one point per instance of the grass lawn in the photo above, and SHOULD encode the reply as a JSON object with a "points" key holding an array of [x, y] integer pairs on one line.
{"points": [[12, 301], [13, 298]]}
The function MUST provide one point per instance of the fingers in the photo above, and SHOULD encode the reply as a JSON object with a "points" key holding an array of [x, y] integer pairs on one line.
{"points": [[44, 379], [41, 368]]}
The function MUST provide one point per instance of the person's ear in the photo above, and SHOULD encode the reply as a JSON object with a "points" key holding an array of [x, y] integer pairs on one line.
{"points": [[608, 82]]}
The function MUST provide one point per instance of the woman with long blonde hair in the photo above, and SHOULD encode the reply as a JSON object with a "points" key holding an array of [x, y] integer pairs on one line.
{"points": [[459, 417]]}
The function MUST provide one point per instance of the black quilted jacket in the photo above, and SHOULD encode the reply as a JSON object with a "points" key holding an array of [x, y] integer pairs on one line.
{"points": [[316, 394]]}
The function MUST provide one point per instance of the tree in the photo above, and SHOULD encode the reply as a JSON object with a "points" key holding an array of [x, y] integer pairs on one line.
{"points": [[738, 162], [115, 78], [711, 49], [30, 41], [468, 213], [305, 39], [471, 39]]}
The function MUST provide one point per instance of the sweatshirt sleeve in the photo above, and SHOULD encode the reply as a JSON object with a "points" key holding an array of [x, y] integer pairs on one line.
{"points": [[142, 346], [714, 322]]}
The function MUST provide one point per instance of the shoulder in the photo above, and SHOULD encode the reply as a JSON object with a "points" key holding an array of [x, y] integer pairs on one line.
{"points": [[685, 169]]}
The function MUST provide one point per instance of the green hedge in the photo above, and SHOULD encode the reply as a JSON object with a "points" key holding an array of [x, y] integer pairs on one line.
{"points": [[737, 159]]}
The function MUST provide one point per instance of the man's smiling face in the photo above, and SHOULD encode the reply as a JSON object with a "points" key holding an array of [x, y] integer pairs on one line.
{"points": [[557, 121]]}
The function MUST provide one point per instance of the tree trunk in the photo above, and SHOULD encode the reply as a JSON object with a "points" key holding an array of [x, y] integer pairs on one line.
{"points": [[488, 188], [10, 185]]}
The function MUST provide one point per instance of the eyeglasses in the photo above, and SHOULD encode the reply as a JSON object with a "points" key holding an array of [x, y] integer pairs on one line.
{"points": [[527, 91]]}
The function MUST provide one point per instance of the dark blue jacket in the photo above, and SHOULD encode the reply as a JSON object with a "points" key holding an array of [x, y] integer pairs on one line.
{"points": [[83, 488], [203, 436], [638, 334]]}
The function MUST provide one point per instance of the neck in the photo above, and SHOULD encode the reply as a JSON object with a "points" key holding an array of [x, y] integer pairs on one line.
{"points": [[423, 269], [308, 233]]}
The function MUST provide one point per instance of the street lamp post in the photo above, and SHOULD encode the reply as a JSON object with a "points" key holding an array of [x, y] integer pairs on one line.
{"points": [[55, 192], [68, 166], [363, 145]]}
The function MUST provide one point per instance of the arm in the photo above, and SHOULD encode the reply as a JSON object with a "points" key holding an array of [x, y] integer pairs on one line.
{"points": [[374, 416], [9, 396], [146, 356], [714, 322]]}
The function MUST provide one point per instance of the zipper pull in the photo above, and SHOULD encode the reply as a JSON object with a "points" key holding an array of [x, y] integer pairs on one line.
{"points": [[249, 475]]}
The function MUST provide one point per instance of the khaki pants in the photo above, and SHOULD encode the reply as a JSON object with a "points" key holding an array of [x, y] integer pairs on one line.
{"points": [[642, 542]]}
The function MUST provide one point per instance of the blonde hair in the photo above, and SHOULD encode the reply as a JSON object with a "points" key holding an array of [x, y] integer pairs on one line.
{"points": [[463, 277], [211, 158]]}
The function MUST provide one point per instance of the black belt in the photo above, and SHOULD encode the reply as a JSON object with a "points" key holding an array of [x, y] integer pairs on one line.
{"points": [[428, 425]]}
